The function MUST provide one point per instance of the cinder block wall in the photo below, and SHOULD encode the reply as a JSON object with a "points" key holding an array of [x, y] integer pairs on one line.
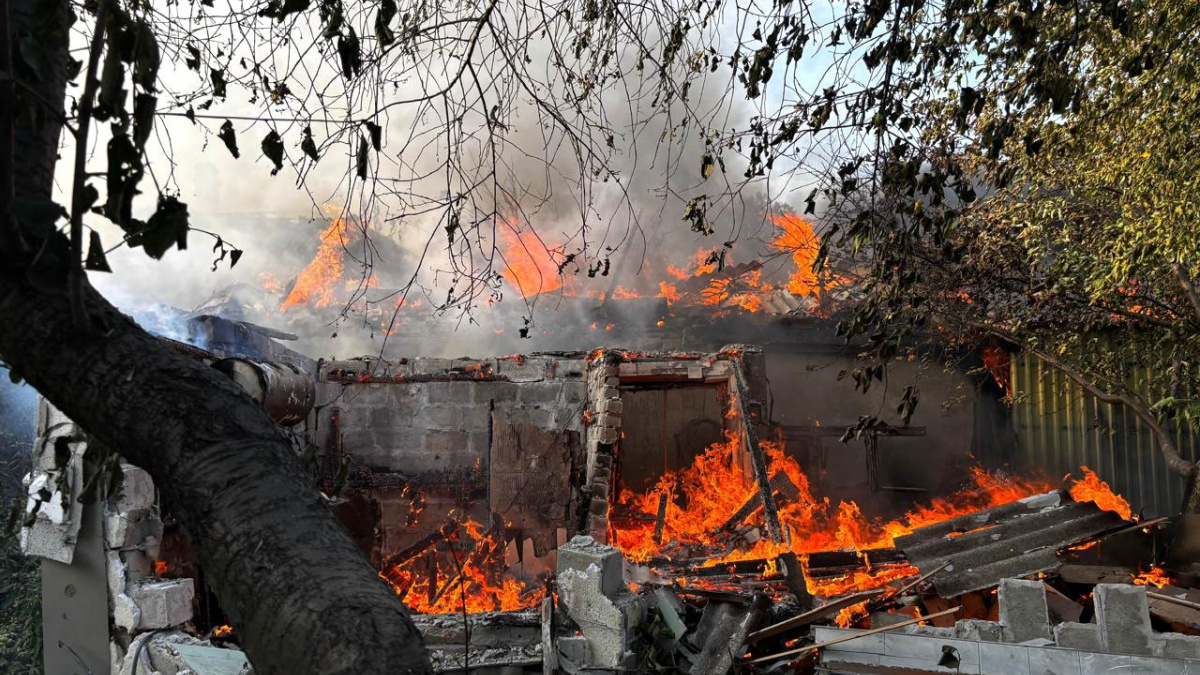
{"points": [[428, 420]]}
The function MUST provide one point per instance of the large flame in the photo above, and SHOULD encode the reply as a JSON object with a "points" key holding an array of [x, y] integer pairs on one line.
{"points": [[1091, 489], [702, 497], [528, 265], [320, 281], [797, 237], [471, 576]]}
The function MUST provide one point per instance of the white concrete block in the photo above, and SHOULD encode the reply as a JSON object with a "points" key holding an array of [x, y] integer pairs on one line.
{"points": [[163, 603]]}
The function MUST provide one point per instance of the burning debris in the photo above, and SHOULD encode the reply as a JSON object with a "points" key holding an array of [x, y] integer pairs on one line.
{"points": [[523, 510]]}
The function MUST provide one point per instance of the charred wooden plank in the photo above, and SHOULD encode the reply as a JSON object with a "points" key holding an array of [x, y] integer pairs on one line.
{"points": [[1096, 574], [865, 633], [781, 486], [661, 521], [812, 615], [757, 458]]}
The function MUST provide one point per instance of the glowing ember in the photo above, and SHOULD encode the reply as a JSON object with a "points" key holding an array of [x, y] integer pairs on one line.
{"points": [[851, 615], [317, 284], [470, 577], [1155, 576], [528, 265], [222, 631], [1091, 489]]}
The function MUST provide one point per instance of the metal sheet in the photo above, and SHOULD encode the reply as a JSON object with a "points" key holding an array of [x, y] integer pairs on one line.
{"points": [[1060, 428], [75, 605], [1007, 541]]}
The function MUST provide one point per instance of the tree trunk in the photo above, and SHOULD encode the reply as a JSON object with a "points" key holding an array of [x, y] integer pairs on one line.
{"points": [[300, 594]]}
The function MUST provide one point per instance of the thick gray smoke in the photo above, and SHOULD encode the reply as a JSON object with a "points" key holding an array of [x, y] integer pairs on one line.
{"points": [[615, 229]]}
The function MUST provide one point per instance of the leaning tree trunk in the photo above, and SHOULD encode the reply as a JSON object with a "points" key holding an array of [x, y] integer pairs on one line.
{"points": [[300, 594]]}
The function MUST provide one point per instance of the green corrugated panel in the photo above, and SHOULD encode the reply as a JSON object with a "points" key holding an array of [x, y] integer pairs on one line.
{"points": [[1059, 427]]}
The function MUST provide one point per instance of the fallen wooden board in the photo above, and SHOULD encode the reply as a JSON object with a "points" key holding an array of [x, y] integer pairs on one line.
{"points": [[815, 614], [1176, 607], [873, 631], [1096, 574]]}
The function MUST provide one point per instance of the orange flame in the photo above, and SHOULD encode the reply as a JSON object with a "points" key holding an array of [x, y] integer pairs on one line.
{"points": [[1091, 489], [796, 236], [528, 265], [316, 284], [1155, 576], [471, 577], [714, 488]]}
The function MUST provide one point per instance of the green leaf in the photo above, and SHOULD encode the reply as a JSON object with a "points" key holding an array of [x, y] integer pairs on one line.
{"points": [[308, 145], [332, 17], [376, 135], [361, 163], [166, 228], [229, 138], [192, 61], [383, 19], [272, 147], [96, 260], [111, 99], [281, 9], [146, 58], [349, 54], [218, 82], [143, 118]]}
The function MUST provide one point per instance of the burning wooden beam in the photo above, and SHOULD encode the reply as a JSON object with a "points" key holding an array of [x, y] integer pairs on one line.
{"points": [[780, 483], [757, 458]]}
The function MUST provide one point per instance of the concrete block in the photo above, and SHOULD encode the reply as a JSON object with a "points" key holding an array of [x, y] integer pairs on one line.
{"points": [[606, 392], [423, 365], [440, 393], [593, 593], [1124, 619], [583, 553], [451, 417], [448, 449], [523, 371], [137, 490], [568, 417], [1177, 646], [1082, 636], [607, 420], [605, 435], [611, 406], [162, 603], [978, 629], [499, 392], [539, 393], [1023, 611], [574, 393]]}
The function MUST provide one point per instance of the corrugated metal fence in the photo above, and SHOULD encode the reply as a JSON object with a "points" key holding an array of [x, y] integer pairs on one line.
{"points": [[1059, 428]]}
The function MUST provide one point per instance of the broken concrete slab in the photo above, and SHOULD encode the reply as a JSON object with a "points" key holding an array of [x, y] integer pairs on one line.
{"points": [[161, 603], [1023, 611], [720, 637], [593, 594], [1124, 619]]}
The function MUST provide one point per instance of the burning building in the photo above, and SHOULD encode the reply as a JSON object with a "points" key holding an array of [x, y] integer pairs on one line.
{"points": [[707, 497]]}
